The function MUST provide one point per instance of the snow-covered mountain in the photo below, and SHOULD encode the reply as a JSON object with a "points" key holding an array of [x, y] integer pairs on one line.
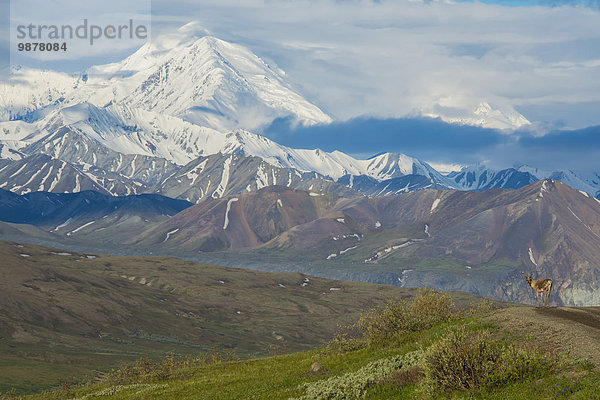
{"points": [[207, 81], [588, 182], [221, 175], [482, 114], [43, 173], [122, 129], [176, 117], [31, 90], [122, 150], [176, 103], [479, 177]]}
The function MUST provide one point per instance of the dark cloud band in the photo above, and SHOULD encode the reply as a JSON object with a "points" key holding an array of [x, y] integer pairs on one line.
{"points": [[438, 141]]}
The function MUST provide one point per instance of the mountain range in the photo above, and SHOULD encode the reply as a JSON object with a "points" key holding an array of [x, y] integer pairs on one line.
{"points": [[486, 238], [454, 240], [158, 152], [177, 118]]}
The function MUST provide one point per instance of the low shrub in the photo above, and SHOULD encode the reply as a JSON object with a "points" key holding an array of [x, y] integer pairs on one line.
{"points": [[405, 376], [520, 364], [147, 370], [482, 307], [348, 338], [464, 360], [386, 326], [355, 385], [461, 361]]}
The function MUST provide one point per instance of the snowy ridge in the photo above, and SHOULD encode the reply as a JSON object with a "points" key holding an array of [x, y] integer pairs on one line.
{"points": [[481, 178], [128, 131], [32, 90]]}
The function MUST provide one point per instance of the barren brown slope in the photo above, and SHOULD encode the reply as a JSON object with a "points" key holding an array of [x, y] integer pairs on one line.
{"points": [[547, 228], [450, 240], [237, 222], [573, 330]]}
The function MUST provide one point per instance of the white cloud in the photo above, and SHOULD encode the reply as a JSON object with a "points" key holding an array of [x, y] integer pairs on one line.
{"points": [[393, 58], [35, 22], [446, 168], [397, 57]]}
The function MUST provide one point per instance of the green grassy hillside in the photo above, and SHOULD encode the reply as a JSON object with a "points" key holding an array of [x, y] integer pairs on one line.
{"points": [[64, 316], [421, 349]]}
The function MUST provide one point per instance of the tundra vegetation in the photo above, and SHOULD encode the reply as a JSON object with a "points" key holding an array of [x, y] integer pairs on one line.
{"points": [[421, 348]]}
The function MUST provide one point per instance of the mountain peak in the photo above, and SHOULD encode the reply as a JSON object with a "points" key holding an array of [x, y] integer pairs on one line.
{"points": [[190, 74], [484, 114], [222, 85]]}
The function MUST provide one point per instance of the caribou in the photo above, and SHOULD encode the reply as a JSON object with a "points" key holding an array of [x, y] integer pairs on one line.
{"points": [[543, 286]]}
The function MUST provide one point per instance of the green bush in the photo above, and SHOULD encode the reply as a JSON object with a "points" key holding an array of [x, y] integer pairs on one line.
{"points": [[464, 360], [355, 385], [460, 361], [520, 364], [405, 376], [387, 325], [146, 370], [347, 341]]}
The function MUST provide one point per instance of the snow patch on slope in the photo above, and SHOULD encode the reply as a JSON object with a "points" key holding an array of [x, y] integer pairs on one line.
{"points": [[168, 236], [226, 221], [80, 228], [531, 257], [218, 193], [584, 193]]}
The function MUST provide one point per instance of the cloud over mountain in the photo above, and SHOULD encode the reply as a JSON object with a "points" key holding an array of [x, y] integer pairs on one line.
{"points": [[398, 58], [438, 141]]}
